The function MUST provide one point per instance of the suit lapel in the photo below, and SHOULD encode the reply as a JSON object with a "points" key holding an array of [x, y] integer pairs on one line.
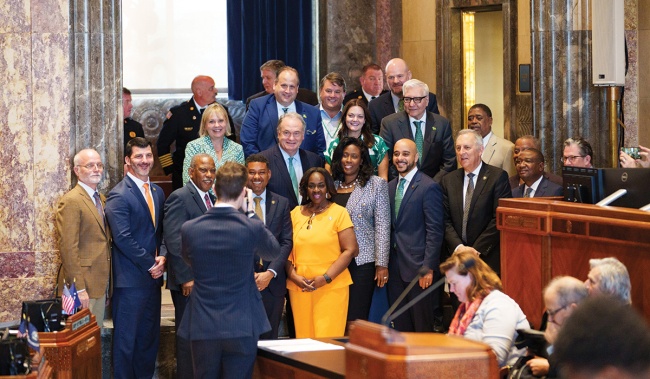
{"points": [[488, 153], [196, 197], [272, 114], [271, 206], [408, 191], [284, 171], [429, 135], [405, 128], [481, 180], [138, 195], [90, 204], [388, 106]]}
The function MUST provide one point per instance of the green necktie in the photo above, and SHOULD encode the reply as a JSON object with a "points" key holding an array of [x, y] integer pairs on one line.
{"points": [[400, 105], [419, 139], [294, 178], [399, 194]]}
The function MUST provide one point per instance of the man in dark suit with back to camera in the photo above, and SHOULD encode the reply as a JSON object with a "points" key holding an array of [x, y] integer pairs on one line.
{"points": [[287, 160], [225, 315], [270, 277], [397, 72], [372, 85], [185, 204], [416, 240], [269, 72], [258, 128], [530, 168], [182, 126], [471, 197], [430, 132], [134, 210], [84, 237]]}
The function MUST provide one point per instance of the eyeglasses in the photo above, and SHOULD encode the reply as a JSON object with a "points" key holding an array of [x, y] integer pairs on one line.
{"points": [[571, 158], [91, 166], [416, 100], [551, 314]]}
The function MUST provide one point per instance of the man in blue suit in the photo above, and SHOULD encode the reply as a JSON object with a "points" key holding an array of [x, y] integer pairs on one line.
{"points": [[416, 239], [530, 168], [184, 204], [225, 315], [258, 130], [134, 211], [273, 209]]}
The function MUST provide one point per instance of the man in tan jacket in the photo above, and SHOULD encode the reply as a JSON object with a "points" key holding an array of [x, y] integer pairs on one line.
{"points": [[84, 238]]}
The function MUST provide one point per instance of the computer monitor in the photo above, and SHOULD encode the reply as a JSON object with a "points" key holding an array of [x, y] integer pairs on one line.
{"points": [[634, 180], [582, 185]]}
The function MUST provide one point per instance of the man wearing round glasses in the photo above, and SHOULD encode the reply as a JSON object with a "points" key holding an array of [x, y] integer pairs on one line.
{"points": [[577, 153]]}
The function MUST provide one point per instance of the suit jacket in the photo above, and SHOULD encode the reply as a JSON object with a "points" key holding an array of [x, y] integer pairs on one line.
{"points": [[383, 106], [259, 129], [84, 242], [482, 234], [544, 189], [305, 95], [418, 229], [439, 156], [498, 153], [280, 181], [183, 205], [358, 94], [132, 129], [135, 238], [225, 302], [278, 221]]}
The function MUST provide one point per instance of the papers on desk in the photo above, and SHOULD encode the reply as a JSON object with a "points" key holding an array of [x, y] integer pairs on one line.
{"points": [[297, 345]]}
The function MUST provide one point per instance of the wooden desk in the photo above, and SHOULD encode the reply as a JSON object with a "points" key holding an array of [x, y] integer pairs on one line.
{"points": [[542, 238], [301, 365]]}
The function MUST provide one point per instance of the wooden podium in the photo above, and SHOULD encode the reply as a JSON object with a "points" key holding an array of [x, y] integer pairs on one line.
{"points": [[542, 238], [376, 351], [76, 351]]}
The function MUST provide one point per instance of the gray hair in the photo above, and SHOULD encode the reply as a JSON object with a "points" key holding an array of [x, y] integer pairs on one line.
{"points": [[475, 134], [414, 83], [567, 289], [295, 116], [614, 278]]}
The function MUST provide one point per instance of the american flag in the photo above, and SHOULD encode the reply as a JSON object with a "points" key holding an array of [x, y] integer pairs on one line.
{"points": [[67, 302]]}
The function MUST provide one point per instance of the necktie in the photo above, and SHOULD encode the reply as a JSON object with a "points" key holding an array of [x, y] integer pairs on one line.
{"points": [[98, 205], [208, 202], [529, 190], [468, 201], [147, 195], [201, 110], [399, 195], [400, 105], [285, 110], [294, 178], [419, 139], [373, 98], [258, 208]]}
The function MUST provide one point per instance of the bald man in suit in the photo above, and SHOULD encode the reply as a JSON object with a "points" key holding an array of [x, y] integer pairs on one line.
{"points": [[84, 238]]}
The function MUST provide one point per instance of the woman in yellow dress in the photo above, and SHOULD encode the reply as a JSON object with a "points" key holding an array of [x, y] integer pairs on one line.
{"points": [[324, 243]]}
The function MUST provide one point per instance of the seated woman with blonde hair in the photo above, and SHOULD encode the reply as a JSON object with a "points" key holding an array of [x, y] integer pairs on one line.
{"points": [[485, 314]]}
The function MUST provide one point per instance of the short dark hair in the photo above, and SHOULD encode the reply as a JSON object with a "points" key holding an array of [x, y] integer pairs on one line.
{"points": [[365, 169], [366, 131], [335, 78], [538, 154], [482, 107], [329, 183], [603, 331], [136, 142], [257, 158], [273, 64], [371, 66], [125, 91], [230, 181]]}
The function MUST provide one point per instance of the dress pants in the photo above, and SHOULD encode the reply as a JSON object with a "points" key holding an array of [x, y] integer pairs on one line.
{"points": [[361, 290], [136, 334], [230, 358], [420, 318], [273, 305], [183, 351]]}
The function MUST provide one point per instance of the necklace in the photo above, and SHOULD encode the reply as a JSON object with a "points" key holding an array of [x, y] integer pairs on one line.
{"points": [[349, 185], [313, 214]]}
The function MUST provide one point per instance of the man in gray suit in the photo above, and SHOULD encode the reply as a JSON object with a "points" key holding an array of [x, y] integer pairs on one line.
{"points": [[530, 168], [496, 150], [186, 203]]}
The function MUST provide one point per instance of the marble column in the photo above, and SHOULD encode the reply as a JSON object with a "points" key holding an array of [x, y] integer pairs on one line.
{"points": [[61, 67], [565, 103]]}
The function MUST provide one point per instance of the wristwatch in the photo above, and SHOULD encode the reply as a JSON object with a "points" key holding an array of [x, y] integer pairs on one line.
{"points": [[327, 278]]}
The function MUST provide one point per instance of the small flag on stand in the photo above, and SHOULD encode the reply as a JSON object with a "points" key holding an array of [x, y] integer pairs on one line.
{"points": [[27, 329], [67, 302], [75, 295]]}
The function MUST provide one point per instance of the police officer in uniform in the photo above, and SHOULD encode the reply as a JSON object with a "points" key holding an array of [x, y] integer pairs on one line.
{"points": [[132, 128], [182, 126]]}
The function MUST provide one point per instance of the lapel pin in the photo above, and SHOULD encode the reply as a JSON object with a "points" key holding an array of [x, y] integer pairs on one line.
{"points": [[193, 117], [484, 177], [191, 108], [272, 201], [433, 128]]}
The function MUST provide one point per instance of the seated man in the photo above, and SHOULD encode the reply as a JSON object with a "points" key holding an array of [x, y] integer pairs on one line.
{"points": [[526, 142], [577, 153], [530, 168], [603, 338], [561, 297], [608, 276]]}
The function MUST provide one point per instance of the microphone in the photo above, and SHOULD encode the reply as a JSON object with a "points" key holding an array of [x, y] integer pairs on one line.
{"points": [[421, 272], [388, 317]]}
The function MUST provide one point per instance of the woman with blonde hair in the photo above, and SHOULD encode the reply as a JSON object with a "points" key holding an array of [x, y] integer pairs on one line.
{"points": [[214, 128], [485, 313]]}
